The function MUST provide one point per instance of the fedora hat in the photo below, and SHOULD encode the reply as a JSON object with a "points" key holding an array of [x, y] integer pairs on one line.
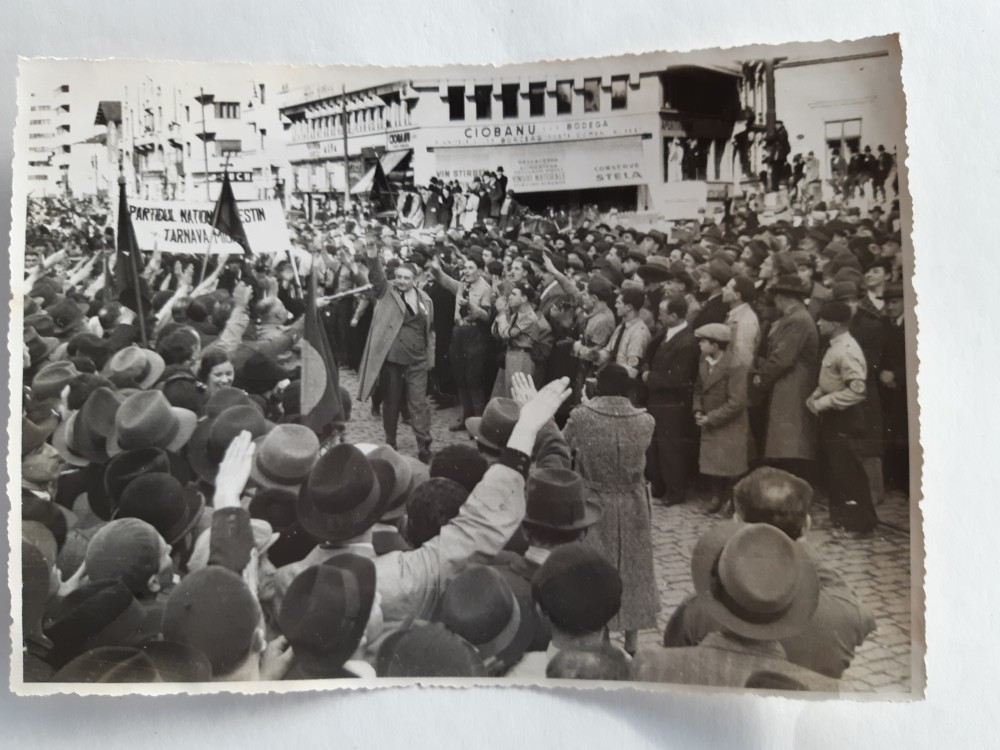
{"points": [[223, 398], [754, 580], [656, 268], [396, 482], [85, 436], [555, 500], [101, 613], [135, 365], [122, 469], [66, 314], [211, 438], [341, 497], [284, 457], [147, 420], [326, 609], [427, 650], [155, 661], [164, 503], [480, 606], [50, 380], [33, 434], [38, 347], [41, 322], [493, 429], [791, 285]]}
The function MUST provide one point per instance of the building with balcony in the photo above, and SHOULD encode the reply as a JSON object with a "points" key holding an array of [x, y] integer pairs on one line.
{"points": [[50, 137]]}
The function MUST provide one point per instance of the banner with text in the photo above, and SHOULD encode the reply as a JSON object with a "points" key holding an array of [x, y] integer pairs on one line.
{"points": [[183, 227], [600, 163]]}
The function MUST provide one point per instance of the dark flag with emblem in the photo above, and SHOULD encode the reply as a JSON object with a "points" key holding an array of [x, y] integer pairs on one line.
{"points": [[132, 289], [381, 192], [226, 216], [320, 393]]}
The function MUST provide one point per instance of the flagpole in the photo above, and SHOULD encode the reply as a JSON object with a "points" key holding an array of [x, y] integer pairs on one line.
{"points": [[204, 149], [133, 267], [347, 163]]}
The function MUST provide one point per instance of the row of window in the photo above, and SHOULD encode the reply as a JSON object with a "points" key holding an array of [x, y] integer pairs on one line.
{"points": [[39, 122], [510, 95]]}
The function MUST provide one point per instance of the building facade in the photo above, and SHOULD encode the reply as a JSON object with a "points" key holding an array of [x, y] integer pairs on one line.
{"points": [[50, 134]]}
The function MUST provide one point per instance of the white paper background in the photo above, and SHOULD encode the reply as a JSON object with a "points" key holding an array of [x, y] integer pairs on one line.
{"points": [[950, 61]]}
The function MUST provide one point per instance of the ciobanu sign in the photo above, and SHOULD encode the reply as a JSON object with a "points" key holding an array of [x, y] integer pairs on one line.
{"points": [[542, 131]]}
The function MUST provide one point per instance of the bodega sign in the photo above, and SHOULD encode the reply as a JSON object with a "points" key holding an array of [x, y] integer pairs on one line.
{"points": [[185, 227]]}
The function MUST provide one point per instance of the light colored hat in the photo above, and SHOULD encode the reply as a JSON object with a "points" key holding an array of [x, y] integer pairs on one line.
{"points": [[718, 332]]}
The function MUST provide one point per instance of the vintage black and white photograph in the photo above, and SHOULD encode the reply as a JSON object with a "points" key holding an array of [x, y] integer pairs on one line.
{"points": [[559, 373]]}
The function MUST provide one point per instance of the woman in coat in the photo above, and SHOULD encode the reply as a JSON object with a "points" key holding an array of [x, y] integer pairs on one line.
{"points": [[720, 410], [609, 438]]}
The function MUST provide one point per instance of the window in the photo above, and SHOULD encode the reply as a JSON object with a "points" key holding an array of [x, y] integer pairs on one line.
{"points": [[844, 137], [564, 98], [536, 99], [262, 98], [227, 110], [484, 102], [592, 95], [187, 113], [64, 88], [619, 92], [456, 102], [227, 147], [188, 144], [508, 95]]}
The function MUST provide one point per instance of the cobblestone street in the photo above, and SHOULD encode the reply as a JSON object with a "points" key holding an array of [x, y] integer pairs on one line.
{"points": [[877, 569]]}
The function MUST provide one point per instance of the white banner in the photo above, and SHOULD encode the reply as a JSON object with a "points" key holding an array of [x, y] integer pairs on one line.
{"points": [[183, 227], [551, 166]]}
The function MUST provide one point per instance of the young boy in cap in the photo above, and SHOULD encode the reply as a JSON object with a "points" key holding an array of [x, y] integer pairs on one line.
{"points": [[720, 410]]}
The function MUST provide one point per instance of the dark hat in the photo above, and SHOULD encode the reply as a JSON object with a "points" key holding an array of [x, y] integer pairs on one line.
{"points": [[341, 497], [99, 613], [275, 506], [65, 314], [428, 650], [844, 290], [41, 322], [211, 438], [461, 463], [802, 258], [492, 430], [33, 434], [259, 374], [147, 420], [127, 550], [212, 610], [656, 268], [720, 271], [578, 588], [223, 398], [122, 469], [894, 290], [395, 476], [696, 252], [134, 365], [555, 500], [284, 457], [48, 514], [38, 347], [835, 311], [712, 233], [326, 609], [50, 380], [164, 503], [86, 435], [480, 606], [47, 290], [819, 236], [613, 380], [845, 259], [851, 275], [754, 580], [155, 661], [790, 285]]}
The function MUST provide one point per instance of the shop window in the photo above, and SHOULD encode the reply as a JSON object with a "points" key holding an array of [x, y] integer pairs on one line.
{"points": [[536, 99], [619, 92], [592, 95], [456, 103], [508, 95], [484, 102], [564, 98], [844, 137]]}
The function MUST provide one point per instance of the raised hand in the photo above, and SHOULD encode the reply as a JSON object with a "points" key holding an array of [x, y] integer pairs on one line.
{"points": [[522, 388], [234, 471], [543, 405]]}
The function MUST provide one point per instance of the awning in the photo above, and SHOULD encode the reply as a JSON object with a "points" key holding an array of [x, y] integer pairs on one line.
{"points": [[389, 162]]}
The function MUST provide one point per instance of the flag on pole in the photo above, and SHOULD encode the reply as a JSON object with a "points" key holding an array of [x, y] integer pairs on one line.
{"points": [[226, 216], [381, 191], [131, 287], [320, 391]]}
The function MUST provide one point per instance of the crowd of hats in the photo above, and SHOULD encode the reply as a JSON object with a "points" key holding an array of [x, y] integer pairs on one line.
{"points": [[125, 573]]}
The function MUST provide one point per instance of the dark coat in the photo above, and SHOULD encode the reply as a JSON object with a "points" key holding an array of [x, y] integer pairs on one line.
{"points": [[713, 311], [673, 368]]}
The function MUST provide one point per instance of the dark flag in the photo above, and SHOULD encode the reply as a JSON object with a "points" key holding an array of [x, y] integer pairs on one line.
{"points": [[131, 287], [381, 191], [226, 216], [320, 393]]}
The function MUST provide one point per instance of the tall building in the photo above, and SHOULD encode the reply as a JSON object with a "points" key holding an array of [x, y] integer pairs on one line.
{"points": [[50, 132]]}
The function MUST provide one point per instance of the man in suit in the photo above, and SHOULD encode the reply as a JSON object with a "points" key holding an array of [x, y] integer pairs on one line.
{"points": [[670, 379], [400, 350], [510, 214]]}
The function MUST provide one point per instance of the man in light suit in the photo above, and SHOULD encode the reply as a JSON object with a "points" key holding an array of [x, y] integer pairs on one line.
{"points": [[400, 350]]}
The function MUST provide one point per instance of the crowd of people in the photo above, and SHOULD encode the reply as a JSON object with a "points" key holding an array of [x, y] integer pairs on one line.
{"points": [[180, 522]]}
